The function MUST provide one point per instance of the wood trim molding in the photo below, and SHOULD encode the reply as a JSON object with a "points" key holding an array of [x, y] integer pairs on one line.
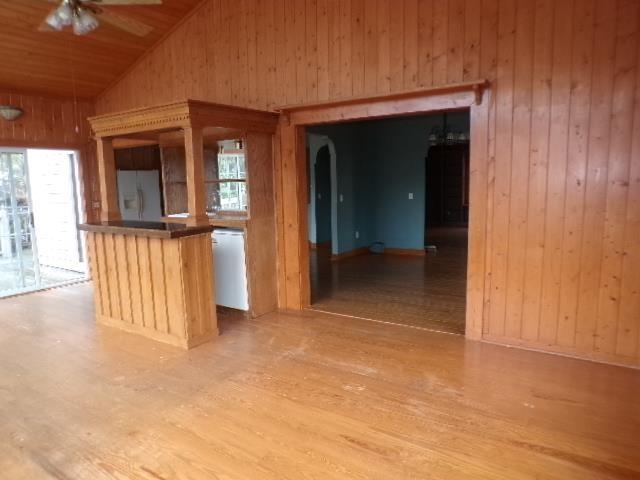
{"points": [[475, 86], [178, 115], [448, 97], [110, 209], [159, 117], [293, 247], [316, 246], [413, 252], [351, 253]]}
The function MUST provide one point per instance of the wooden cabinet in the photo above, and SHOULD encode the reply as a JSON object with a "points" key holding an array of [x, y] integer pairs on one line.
{"points": [[179, 272], [447, 185], [258, 221]]}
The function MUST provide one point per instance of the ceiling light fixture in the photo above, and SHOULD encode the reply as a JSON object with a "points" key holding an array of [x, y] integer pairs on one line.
{"points": [[61, 17], [443, 135], [84, 22], [10, 113], [72, 13]]}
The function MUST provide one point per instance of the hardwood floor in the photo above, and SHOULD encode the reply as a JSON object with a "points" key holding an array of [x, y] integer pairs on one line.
{"points": [[292, 396], [426, 292]]}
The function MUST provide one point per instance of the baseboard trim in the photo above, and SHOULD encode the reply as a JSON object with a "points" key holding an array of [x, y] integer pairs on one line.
{"points": [[411, 252], [414, 252], [315, 246], [351, 253]]}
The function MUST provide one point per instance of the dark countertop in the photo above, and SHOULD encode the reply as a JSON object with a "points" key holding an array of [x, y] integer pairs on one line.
{"points": [[146, 229], [230, 221]]}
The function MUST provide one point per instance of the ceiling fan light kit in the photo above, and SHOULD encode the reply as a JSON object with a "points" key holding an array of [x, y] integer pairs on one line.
{"points": [[84, 23], [61, 17], [84, 16]]}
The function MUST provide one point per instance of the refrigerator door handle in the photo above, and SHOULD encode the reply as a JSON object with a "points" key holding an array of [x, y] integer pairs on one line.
{"points": [[140, 202]]}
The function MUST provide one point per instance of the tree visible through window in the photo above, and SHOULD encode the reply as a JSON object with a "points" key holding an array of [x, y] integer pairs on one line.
{"points": [[228, 193]]}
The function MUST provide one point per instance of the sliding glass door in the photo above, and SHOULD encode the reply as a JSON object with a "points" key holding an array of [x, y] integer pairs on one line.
{"points": [[19, 268], [40, 245]]}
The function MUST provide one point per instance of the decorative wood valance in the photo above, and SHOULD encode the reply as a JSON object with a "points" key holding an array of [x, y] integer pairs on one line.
{"points": [[180, 115], [190, 119]]}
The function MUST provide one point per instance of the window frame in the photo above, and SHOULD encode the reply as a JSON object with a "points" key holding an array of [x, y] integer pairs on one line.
{"points": [[218, 181]]}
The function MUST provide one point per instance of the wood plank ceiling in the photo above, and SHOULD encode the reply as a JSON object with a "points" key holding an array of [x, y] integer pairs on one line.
{"points": [[47, 62]]}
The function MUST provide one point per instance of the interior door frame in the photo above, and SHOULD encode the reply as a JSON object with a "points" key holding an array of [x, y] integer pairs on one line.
{"points": [[291, 177]]}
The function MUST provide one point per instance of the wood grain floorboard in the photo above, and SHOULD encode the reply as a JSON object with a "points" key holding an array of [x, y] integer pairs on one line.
{"points": [[298, 396], [426, 292]]}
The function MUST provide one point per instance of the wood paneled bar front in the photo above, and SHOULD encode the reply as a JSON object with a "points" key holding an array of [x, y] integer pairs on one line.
{"points": [[154, 279]]}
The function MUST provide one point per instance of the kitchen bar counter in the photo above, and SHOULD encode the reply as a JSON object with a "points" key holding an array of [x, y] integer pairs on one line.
{"points": [[226, 221], [154, 279], [146, 229]]}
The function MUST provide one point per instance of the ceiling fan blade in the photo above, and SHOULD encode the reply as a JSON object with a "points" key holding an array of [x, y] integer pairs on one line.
{"points": [[127, 2], [124, 23]]}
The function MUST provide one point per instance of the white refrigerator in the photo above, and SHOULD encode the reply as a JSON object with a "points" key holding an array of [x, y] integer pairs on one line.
{"points": [[139, 195], [231, 269]]}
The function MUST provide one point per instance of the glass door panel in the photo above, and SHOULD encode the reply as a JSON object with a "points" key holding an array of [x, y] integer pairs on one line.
{"points": [[19, 269]]}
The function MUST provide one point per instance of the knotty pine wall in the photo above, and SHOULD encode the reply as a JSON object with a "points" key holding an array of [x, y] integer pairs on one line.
{"points": [[51, 123], [563, 204]]}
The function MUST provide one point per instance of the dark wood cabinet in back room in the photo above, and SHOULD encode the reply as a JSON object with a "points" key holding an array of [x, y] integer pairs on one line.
{"points": [[447, 185]]}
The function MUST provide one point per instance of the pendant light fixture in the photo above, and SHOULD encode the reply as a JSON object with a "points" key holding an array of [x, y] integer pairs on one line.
{"points": [[443, 135]]}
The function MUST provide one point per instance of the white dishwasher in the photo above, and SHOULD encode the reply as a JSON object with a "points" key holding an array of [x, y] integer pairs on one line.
{"points": [[231, 268]]}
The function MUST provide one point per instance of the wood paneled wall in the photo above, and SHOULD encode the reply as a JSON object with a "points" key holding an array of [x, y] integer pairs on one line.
{"points": [[562, 206], [138, 158], [54, 123]]}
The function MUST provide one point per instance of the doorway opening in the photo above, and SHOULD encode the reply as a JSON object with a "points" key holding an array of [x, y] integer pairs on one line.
{"points": [[388, 219], [40, 207]]}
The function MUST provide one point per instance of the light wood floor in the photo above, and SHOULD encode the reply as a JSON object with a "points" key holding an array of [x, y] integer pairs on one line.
{"points": [[299, 396], [427, 292]]}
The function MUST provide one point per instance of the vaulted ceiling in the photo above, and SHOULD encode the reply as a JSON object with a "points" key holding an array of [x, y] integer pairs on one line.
{"points": [[48, 62]]}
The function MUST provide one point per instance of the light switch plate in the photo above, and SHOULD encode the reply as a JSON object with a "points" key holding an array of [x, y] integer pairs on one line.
{"points": [[410, 196]]}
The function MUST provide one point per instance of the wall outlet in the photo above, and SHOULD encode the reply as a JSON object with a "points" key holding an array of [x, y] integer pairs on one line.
{"points": [[410, 196], [357, 234], [341, 198]]}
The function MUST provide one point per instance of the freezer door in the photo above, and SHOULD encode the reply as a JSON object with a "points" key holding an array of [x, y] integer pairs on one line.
{"points": [[128, 195]]}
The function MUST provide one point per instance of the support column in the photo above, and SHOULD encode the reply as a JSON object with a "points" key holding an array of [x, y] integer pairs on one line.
{"points": [[109, 208], [194, 159]]}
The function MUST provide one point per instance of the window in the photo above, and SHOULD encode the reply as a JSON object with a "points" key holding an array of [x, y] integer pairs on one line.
{"points": [[228, 192]]}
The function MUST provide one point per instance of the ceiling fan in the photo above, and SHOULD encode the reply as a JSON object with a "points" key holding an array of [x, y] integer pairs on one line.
{"points": [[84, 16]]}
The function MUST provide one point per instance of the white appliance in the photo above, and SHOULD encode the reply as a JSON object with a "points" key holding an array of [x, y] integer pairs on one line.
{"points": [[139, 195], [230, 268]]}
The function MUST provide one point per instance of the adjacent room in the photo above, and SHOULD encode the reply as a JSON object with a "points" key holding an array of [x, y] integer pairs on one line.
{"points": [[319, 239], [391, 243]]}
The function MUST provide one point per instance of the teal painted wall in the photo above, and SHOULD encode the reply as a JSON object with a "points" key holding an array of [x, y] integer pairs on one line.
{"points": [[378, 164]]}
